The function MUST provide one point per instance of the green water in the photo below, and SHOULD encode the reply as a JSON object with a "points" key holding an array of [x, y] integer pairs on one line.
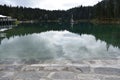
{"points": [[61, 40], [106, 32]]}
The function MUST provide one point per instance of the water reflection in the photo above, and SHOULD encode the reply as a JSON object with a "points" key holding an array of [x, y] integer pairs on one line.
{"points": [[6, 27], [57, 45], [107, 32]]}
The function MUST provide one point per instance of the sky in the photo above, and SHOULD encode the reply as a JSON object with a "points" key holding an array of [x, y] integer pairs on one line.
{"points": [[50, 4]]}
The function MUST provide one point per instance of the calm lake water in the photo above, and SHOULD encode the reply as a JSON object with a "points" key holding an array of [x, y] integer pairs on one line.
{"points": [[58, 41]]}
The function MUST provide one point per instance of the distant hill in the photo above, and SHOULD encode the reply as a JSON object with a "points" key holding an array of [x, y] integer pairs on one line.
{"points": [[104, 10], [108, 9]]}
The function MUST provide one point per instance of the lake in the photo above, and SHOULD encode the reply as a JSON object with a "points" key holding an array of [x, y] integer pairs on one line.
{"points": [[60, 41]]}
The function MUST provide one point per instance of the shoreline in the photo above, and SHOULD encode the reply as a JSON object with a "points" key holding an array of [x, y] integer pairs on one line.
{"points": [[94, 21], [105, 21]]}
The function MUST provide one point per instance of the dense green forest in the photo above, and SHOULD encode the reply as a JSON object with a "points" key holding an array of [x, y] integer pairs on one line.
{"points": [[106, 9]]}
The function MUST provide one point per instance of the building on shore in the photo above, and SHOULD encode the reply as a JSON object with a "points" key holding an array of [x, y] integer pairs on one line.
{"points": [[6, 20]]}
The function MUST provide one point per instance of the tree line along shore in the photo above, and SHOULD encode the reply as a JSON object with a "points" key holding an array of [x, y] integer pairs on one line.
{"points": [[106, 11]]}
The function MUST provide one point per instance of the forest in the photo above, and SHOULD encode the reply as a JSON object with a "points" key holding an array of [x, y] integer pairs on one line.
{"points": [[104, 10]]}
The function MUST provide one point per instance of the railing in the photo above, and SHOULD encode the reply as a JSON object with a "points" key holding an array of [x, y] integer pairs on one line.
{"points": [[5, 21], [8, 19]]}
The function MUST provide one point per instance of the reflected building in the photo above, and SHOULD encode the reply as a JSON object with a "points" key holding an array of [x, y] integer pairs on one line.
{"points": [[4, 28]]}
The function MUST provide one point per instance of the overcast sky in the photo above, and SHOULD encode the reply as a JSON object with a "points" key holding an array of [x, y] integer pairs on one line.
{"points": [[50, 4]]}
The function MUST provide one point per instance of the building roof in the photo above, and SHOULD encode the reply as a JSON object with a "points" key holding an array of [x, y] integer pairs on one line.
{"points": [[2, 16]]}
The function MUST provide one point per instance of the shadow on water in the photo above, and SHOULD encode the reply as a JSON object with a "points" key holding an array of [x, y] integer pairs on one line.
{"points": [[106, 32]]}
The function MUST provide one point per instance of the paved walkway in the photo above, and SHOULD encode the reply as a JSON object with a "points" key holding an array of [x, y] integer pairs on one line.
{"points": [[86, 70]]}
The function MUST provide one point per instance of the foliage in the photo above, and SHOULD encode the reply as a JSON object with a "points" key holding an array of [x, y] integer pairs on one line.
{"points": [[106, 9]]}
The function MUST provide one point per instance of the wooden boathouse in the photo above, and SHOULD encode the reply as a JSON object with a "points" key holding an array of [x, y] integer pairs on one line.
{"points": [[6, 20]]}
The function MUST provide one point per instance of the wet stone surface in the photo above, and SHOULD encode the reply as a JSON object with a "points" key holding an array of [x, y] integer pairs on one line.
{"points": [[112, 78], [91, 70], [6, 78], [30, 75], [2, 74], [10, 68], [63, 75], [84, 69], [6, 75], [107, 71]]}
